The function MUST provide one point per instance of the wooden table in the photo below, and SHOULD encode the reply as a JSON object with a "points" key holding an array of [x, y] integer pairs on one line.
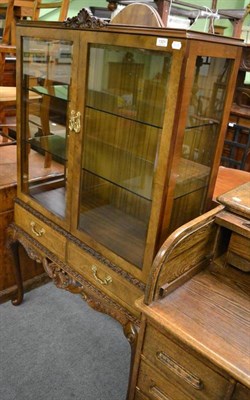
{"points": [[228, 179]]}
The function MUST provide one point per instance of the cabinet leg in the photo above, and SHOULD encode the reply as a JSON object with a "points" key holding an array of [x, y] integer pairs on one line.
{"points": [[131, 333], [18, 275]]}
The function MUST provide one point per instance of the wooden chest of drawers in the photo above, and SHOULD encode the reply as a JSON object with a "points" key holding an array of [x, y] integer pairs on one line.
{"points": [[181, 368], [194, 340]]}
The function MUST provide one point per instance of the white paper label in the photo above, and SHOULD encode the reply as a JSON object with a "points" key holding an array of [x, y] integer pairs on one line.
{"points": [[161, 42], [176, 45]]}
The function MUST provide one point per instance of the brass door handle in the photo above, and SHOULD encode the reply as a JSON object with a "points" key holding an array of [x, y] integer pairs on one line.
{"points": [[36, 231], [106, 281]]}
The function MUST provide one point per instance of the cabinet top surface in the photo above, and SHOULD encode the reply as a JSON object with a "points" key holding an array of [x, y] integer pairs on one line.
{"points": [[129, 29], [210, 313]]}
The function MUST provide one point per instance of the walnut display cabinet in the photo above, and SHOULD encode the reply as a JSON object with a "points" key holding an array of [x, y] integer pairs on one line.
{"points": [[127, 127]]}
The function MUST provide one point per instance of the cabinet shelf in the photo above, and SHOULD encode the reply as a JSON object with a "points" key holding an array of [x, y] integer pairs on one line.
{"points": [[51, 144], [55, 91], [127, 113], [51, 195], [131, 187], [109, 225], [191, 176]]}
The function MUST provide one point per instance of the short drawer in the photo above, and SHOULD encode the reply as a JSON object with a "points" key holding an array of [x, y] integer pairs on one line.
{"points": [[139, 395], [152, 385], [103, 277], [182, 368], [41, 232], [239, 252]]}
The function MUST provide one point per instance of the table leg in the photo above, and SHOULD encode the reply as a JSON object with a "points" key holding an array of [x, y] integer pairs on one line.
{"points": [[17, 271]]}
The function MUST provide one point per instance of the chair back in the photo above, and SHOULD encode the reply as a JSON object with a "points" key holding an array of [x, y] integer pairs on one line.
{"points": [[16, 10]]}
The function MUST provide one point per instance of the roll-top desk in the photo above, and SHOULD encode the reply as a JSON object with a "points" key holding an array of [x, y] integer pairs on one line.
{"points": [[194, 342]]}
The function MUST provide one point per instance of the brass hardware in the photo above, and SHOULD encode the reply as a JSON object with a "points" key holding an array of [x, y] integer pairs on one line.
{"points": [[157, 393], [177, 369], [105, 281], [77, 125], [37, 232], [74, 121]]}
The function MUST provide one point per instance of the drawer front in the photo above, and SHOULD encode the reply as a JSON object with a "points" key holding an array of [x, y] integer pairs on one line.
{"points": [[104, 278], [155, 387], [239, 252], [41, 232], [241, 393], [188, 372]]}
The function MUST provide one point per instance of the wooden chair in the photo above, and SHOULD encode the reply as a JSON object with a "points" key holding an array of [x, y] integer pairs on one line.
{"points": [[18, 10]]}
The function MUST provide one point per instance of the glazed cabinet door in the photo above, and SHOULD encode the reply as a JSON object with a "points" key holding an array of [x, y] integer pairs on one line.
{"points": [[124, 100], [203, 116], [46, 73]]}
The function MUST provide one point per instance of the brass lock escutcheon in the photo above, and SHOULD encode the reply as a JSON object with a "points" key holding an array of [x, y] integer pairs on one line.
{"points": [[75, 121]]}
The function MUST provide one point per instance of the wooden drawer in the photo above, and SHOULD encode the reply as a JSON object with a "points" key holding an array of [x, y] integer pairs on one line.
{"points": [[155, 387], [241, 393], [139, 395], [182, 368], [239, 252], [41, 232], [104, 278]]}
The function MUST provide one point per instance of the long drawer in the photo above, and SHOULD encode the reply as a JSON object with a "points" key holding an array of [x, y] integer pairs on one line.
{"points": [[179, 366], [41, 232], [110, 282]]}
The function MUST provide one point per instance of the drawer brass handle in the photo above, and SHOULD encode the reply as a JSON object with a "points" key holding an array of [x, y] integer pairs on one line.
{"points": [[37, 232], [177, 369], [105, 281], [157, 393]]}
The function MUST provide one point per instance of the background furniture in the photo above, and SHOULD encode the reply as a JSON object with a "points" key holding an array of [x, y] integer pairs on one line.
{"points": [[228, 179], [191, 12], [17, 10], [33, 273], [236, 152], [194, 339]]}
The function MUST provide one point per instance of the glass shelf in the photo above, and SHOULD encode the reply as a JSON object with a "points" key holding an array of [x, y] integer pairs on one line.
{"points": [[57, 91], [52, 144]]}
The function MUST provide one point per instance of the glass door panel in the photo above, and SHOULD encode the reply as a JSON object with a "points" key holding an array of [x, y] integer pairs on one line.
{"points": [[124, 111], [45, 91], [200, 139]]}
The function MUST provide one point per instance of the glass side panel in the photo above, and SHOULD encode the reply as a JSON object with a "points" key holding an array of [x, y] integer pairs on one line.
{"points": [[46, 76], [201, 137], [124, 112]]}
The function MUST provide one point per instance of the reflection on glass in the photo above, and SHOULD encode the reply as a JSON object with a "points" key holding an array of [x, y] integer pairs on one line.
{"points": [[45, 91], [123, 121], [201, 137]]}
